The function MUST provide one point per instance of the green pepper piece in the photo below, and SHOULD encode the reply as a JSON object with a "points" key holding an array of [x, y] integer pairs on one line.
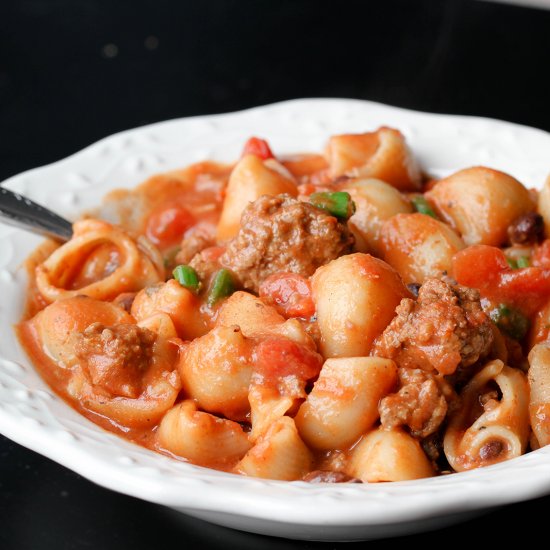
{"points": [[523, 261], [339, 203], [512, 263], [422, 206], [510, 321], [222, 286], [187, 277]]}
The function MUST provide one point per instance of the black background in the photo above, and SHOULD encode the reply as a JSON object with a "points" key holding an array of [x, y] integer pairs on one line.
{"points": [[74, 71]]}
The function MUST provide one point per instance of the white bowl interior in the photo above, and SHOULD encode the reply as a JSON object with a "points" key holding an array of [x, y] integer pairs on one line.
{"points": [[33, 416]]}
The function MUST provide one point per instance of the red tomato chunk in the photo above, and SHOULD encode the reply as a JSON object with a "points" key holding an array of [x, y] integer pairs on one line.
{"points": [[289, 293], [485, 268], [258, 147], [167, 224], [276, 358]]}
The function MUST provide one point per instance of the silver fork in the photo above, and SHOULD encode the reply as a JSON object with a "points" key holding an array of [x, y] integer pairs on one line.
{"points": [[21, 212]]}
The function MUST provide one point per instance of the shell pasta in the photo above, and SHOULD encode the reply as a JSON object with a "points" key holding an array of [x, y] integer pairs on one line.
{"points": [[131, 265], [329, 317], [502, 428]]}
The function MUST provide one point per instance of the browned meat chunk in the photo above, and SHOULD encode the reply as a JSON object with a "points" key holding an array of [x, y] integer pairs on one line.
{"points": [[115, 357], [442, 330], [526, 229], [284, 234], [196, 242], [207, 262], [433, 447], [420, 403]]}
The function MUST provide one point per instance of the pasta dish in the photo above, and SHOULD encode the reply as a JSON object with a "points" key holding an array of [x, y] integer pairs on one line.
{"points": [[335, 317]]}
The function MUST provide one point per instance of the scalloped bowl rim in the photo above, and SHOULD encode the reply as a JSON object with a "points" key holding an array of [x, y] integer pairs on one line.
{"points": [[35, 418]]}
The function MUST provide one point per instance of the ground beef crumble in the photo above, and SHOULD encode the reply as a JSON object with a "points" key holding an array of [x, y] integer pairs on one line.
{"points": [[192, 245], [284, 234], [115, 357], [421, 403], [445, 328]]}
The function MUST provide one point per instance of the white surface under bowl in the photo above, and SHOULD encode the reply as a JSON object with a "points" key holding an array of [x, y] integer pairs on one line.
{"points": [[33, 416]]}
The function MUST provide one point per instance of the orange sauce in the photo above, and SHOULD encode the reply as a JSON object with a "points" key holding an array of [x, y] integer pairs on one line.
{"points": [[199, 188], [58, 379]]}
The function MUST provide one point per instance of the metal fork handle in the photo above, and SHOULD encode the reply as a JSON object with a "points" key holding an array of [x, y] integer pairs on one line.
{"points": [[21, 212]]}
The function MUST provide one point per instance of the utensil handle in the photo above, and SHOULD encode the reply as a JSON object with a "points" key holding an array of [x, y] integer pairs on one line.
{"points": [[22, 212]]}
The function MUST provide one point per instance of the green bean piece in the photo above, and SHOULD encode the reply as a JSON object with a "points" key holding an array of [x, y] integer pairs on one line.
{"points": [[187, 277], [510, 321], [422, 206], [523, 261], [339, 203], [222, 286]]}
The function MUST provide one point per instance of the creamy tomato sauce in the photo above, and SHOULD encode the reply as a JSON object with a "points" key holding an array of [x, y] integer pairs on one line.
{"points": [[327, 318], [166, 208]]}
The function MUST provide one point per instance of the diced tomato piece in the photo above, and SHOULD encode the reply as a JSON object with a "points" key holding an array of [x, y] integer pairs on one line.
{"points": [[522, 283], [258, 147], [276, 358], [168, 223], [290, 293], [479, 266], [485, 268]]}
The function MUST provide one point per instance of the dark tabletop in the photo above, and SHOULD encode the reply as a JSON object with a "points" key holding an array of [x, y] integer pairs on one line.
{"points": [[74, 71]]}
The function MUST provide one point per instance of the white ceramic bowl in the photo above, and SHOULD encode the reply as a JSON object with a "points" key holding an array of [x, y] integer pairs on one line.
{"points": [[33, 416]]}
